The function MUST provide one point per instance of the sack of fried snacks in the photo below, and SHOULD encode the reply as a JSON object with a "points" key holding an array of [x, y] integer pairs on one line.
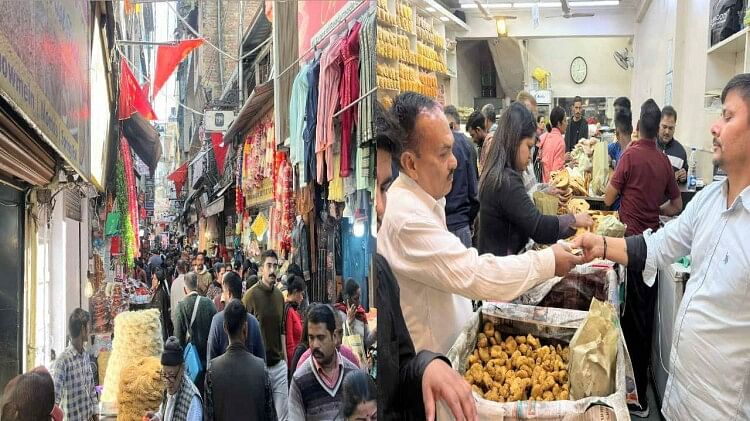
{"points": [[593, 352]]}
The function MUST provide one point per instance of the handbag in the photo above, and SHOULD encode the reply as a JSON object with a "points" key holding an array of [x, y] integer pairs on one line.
{"points": [[355, 343], [193, 363]]}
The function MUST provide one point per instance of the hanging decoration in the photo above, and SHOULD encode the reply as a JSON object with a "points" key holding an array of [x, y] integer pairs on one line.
{"points": [[220, 150], [132, 209], [124, 247]]}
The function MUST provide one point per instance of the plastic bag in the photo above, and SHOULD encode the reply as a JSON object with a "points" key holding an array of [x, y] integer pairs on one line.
{"points": [[112, 226], [600, 162], [593, 353], [546, 203]]}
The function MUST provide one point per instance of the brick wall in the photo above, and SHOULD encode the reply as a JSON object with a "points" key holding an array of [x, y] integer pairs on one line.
{"points": [[209, 18]]}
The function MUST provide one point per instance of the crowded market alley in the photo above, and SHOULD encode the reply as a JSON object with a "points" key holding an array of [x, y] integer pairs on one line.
{"points": [[374, 209]]}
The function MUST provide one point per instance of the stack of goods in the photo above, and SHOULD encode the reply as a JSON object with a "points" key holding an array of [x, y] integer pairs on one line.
{"points": [[405, 14], [100, 304], [561, 180], [119, 301], [140, 389], [426, 33], [429, 59], [408, 79], [137, 335], [384, 16], [517, 368], [391, 45], [99, 273], [387, 77], [429, 84]]}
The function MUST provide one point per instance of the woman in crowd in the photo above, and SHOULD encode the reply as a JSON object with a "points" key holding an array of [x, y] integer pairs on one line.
{"points": [[359, 398], [552, 145], [353, 313], [541, 125], [160, 300], [507, 215], [30, 397]]}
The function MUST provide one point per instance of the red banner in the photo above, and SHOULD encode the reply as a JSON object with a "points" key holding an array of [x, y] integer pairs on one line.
{"points": [[168, 57], [312, 16], [132, 98], [127, 163], [220, 150], [178, 177]]}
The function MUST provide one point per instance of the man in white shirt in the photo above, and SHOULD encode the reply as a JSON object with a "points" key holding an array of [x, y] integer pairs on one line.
{"points": [[710, 354], [438, 275], [177, 290]]}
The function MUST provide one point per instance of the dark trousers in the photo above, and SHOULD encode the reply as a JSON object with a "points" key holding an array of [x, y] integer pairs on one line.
{"points": [[637, 327]]}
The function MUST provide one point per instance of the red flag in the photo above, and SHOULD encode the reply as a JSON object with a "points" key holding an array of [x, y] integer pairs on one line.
{"points": [[220, 152], [178, 177], [168, 57], [132, 99]]}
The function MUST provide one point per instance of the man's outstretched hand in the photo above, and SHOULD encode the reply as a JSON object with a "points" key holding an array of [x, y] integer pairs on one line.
{"points": [[591, 244], [565, 261], [441, 383]]}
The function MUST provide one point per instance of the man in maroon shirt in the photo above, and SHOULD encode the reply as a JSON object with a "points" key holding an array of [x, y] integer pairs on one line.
{"points": [[642, 179]]}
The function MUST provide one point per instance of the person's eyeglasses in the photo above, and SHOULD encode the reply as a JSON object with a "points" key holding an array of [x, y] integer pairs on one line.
{"points": [[170, 377]]}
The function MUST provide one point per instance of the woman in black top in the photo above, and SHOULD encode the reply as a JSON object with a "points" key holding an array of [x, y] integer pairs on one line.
{"points": [[507, 215]]}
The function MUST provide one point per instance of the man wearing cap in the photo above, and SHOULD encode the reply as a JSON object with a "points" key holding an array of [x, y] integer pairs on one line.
{"points": [[182, 401]]}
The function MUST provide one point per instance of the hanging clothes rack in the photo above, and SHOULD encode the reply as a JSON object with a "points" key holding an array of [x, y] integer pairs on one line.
{"points": [[323, 37], [355, 102]]}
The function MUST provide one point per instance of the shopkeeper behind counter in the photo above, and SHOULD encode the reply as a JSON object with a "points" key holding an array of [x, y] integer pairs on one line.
{"points": [[437, 274], [507, 216]]}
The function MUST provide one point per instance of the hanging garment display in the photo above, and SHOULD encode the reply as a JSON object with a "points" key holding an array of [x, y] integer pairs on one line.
{"points": [[283, 206], [349, 93], [297, 105], [365, 156], [301, 247], [331, 67], [311, 120]]}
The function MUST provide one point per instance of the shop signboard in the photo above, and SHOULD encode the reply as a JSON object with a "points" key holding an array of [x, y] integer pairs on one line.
{"points": [[44, 71], [215, 207], [542, 96]]}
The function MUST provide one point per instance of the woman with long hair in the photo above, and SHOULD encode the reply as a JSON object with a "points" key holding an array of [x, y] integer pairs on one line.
{"points": [[160, 300], [359, 398], [507, 215]]}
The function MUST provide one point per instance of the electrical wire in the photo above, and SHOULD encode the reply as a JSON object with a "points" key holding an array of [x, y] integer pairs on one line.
{"points": [[199, 35]]}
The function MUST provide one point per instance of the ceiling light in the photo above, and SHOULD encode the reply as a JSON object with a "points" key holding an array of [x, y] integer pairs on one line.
{"points": [[532, 4], [502, 29], [444, 19], [593, 3]]}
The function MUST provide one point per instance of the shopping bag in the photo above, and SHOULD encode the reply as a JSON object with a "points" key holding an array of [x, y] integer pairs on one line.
{"points": [[112, 226], [355, 343], [193, 362], [593, 353]]}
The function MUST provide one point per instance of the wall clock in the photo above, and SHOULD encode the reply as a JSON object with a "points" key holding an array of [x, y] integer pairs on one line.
{"points": [[578, 70]]}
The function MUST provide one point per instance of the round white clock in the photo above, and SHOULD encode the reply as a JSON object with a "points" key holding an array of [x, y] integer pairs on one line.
{"points": [[578, 70]]}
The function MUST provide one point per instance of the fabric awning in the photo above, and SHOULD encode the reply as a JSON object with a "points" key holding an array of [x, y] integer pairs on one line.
{"points": [[144, 139], [260, 99]]}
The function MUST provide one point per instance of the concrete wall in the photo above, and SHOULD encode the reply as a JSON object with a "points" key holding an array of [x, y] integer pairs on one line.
{"points": [[468, 57], [684, 25], [604, 79]]}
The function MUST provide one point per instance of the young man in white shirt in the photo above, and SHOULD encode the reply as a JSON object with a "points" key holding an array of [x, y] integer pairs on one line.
{"points": [[708, 374], [438, 275]]}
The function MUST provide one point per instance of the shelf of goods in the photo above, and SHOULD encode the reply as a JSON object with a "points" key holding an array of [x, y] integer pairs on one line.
{"points": [[411, 50]]}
